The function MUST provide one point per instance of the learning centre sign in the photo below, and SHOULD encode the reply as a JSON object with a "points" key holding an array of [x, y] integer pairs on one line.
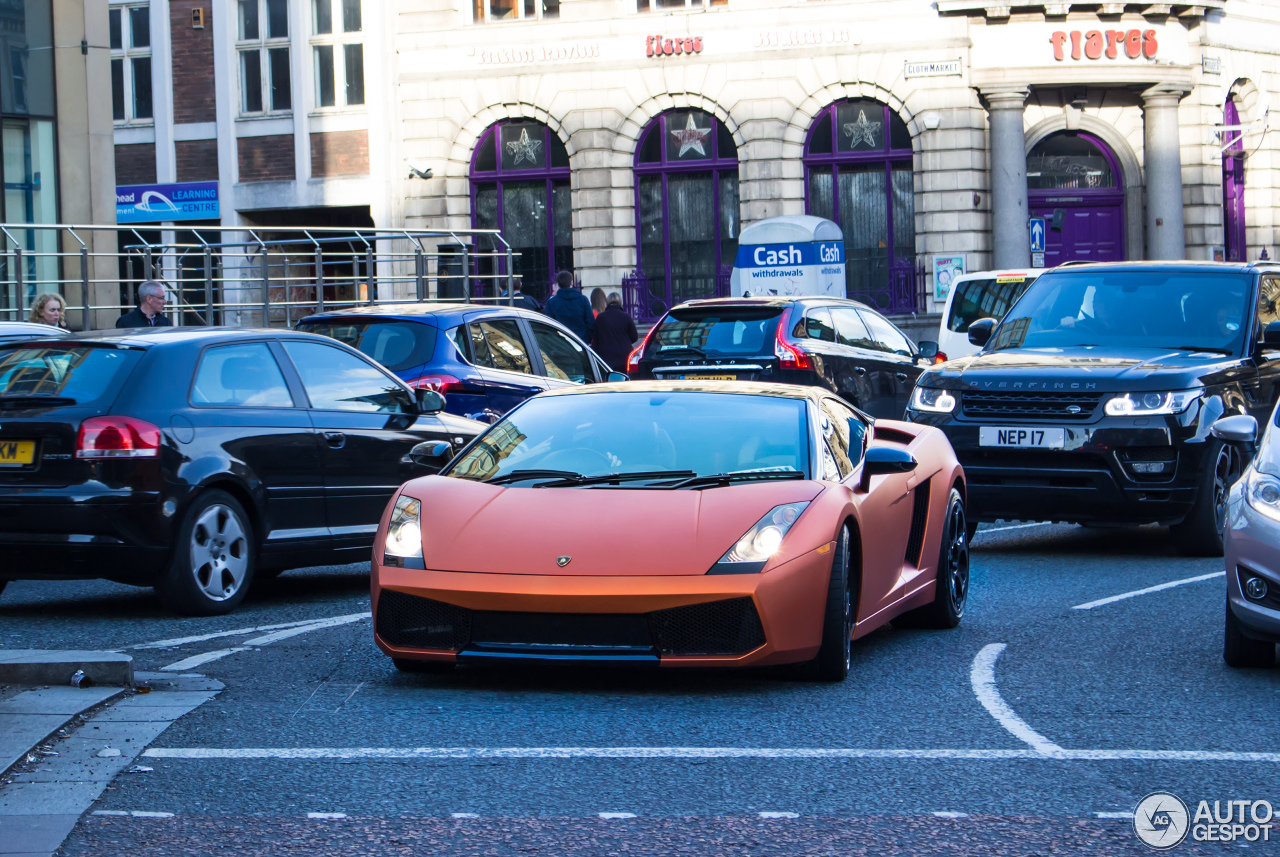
{"points": [[155, 203]]}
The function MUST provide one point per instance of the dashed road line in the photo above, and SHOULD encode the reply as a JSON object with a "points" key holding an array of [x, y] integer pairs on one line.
{"points": [[779, 814], [198, 660], [983, 678], [134, 813], [1158, 588], [612, 816], [326, 816], [217, 635], [949, 814], [463, 815], [276, 636], [1127, 816]]}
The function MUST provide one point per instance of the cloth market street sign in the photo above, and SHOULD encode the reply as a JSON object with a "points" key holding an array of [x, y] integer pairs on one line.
{"points": [[943, 68], [155, 203]]}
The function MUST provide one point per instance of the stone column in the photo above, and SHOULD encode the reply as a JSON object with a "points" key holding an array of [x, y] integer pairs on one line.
{"points": [[1011, 245], [1163, 170]]}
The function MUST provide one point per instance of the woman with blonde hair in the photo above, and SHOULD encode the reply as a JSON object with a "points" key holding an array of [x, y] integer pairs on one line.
{"points": [[49, 308]]}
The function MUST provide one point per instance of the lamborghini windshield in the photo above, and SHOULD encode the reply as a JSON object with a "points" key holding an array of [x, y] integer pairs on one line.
{"points": [[1187, 310], [642, 438]]}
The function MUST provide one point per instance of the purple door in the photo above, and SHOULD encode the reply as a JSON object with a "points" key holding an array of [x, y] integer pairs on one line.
{"points": [[1233, 186], [1077, 175]]}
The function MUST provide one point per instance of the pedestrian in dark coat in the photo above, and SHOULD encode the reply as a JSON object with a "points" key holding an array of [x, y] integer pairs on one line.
{"points": [[571, 308], [150, 309], [615, 334], [525, 301]]}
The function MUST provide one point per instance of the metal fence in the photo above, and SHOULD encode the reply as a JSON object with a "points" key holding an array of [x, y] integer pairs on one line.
{"points": [[242, 276]]}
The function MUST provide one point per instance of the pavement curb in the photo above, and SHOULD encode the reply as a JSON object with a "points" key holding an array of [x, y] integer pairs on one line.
{"points": [[52, 667], [33, 717]]}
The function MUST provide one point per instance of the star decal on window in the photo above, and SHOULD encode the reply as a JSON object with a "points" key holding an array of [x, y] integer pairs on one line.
{"points": [[862, 131], [524, 148], [691, 137]]}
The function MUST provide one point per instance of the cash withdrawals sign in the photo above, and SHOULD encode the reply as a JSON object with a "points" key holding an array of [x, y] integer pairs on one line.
{"points": [[790, 255], [156, 203]]}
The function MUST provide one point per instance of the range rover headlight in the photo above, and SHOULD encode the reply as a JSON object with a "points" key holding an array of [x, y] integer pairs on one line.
{"points": [[932, 400], [1262, 492], [1150, 404], [404, 532]]}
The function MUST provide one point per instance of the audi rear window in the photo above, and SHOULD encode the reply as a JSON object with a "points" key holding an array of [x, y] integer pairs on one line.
{"points": [[717, 331], [64, 374], [397, 345], [977, 299]]}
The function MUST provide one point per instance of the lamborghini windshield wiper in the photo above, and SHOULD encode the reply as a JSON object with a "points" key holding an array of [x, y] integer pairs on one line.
{"points": [[716, 480], [522, 475], [616, 478]]}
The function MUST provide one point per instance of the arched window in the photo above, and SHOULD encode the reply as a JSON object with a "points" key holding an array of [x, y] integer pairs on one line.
{"points": [[686, 209], [520, 184], [858, 173], [1074, 183]]}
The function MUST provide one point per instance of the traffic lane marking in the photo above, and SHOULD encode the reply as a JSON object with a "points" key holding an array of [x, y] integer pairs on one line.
{"points": [[983, 680], [274, 637], [1102, 602], [204, 638], [660, 753]]}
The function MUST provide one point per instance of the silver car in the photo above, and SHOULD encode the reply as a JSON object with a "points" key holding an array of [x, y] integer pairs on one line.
{"points": [[1251, 541]]}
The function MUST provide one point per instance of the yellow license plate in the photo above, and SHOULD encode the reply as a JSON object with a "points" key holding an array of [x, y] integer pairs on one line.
{"points": [[711, 377], [17, 453]]}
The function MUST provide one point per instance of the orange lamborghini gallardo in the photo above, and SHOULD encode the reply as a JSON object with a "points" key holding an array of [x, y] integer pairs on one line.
{"points": [[672, 524]]}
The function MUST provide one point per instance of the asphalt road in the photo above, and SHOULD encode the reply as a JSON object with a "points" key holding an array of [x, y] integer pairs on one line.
{"points": [[1031, 729]]}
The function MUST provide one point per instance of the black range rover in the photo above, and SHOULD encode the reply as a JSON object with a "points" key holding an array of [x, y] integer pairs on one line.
{"points": [[1092, 399]]}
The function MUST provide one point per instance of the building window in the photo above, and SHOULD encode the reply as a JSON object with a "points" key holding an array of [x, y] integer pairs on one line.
{"points": [[337, 53], [664, 5], [130, 33], [858, 173], [520, 184], [687, 213], [514, 10], [263, 48]]}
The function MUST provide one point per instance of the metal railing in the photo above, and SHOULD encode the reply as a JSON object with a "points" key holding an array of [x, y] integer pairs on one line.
{"points": [[247, 276]]}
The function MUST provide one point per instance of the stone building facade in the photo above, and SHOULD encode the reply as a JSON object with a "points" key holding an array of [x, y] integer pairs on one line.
{"points": [[1099, 117]]}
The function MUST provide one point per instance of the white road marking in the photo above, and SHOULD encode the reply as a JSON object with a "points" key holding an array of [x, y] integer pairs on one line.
{"points": [[266, 640], [983, 678], [464, 815], [1014, 527], [1124, 815], [946, 814], [115, 812], [139, 813], [196, 660], [612, 815], [326, 815], [307, 629], [380, 753], [779, 814], [202, 638], [1114, 598]]}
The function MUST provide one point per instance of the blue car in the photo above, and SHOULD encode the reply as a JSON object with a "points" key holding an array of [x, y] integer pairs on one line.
{"points": [[485, 359]]}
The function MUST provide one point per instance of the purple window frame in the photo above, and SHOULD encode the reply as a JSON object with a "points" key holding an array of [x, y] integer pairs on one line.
{"points": [[1233, 217], [889, 155], [493, 138], [715, 165]]}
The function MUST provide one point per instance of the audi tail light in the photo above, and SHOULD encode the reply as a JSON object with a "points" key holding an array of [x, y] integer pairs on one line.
{"points": [[117, 437]]}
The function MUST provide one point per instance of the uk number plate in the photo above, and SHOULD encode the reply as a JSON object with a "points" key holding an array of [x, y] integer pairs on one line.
{"points": [[17, 453], [1022, 438], [709, 377]]}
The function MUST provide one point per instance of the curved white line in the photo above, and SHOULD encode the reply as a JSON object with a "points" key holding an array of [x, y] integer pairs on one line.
{"points": [[983, 678], [1158, 588], [320, 625]]}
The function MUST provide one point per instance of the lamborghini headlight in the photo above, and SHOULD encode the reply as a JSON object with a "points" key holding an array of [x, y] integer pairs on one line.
{"points": [[1148, 404], [763, 540], [404, 532]]}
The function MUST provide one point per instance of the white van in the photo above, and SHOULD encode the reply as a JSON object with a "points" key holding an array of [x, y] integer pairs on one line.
{"points": [[984, 294]]}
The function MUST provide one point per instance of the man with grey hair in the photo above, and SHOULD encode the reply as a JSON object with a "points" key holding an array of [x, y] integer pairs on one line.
{"points": [[150, 309]]}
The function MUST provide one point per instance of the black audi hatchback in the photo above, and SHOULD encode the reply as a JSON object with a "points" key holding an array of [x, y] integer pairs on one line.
{"points": [[1091, 401], [191, 459], [842, 345]]}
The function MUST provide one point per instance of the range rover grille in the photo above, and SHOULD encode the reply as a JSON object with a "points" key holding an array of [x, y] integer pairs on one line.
{"points": [[1029, 406]]}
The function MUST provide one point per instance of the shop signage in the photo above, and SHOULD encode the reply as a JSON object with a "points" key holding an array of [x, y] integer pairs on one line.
{"points": [[801, 37], [946, 269], [526, 54], [801, 268], [657, 46], [1093, 44], [154, 203], [945, 68]]}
